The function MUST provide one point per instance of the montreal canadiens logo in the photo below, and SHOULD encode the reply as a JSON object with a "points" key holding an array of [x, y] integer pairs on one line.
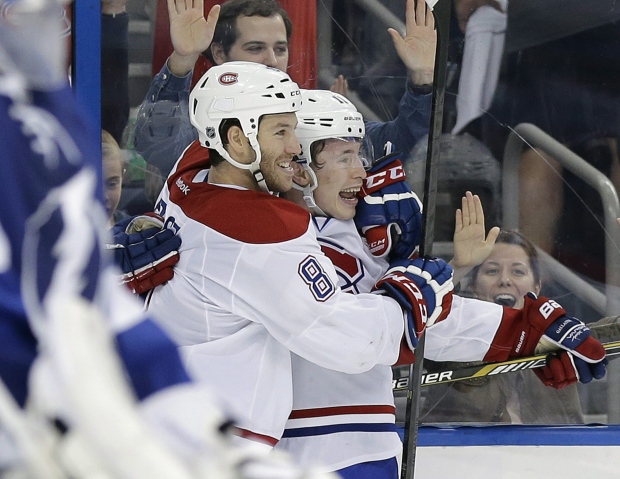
{"points": [[228, 78]]}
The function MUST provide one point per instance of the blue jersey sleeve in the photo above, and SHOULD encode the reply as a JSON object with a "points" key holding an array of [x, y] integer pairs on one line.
{"points": [[410, 125]]}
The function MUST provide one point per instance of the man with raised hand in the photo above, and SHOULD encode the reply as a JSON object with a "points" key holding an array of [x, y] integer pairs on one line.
{"points": [[260, 31]]}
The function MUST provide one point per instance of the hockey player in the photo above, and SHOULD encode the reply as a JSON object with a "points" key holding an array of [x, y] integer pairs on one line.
{"points": [[105, 381], [346, 421]]}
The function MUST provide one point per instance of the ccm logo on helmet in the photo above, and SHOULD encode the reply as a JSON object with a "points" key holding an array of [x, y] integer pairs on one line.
{"points": [[228, 78]]}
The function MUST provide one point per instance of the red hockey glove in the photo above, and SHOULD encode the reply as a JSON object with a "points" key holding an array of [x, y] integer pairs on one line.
{"points": [[564, 368]]}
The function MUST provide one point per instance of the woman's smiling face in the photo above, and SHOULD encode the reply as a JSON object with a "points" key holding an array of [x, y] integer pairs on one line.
{"points": [[506, 276]]}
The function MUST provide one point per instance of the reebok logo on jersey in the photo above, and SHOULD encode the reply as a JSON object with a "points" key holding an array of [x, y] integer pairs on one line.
{"points": [[229, 78], [182, 186]]}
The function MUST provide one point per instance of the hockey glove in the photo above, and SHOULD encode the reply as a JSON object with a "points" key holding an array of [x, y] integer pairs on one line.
{"points": [[564, 368], [577, 356], [389, 214], [145, 251], [423, 288]]}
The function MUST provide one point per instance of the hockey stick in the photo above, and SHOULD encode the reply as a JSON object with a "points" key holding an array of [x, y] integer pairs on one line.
{"points": [[441, 12], [489, 369], [608, 334]]}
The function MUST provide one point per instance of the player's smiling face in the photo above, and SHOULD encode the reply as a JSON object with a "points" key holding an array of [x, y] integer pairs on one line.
{"points": [[506, 276], [340, 174], [278, 144]]}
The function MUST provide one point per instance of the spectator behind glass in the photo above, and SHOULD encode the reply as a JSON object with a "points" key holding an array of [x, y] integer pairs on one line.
{"points": [[113, 170], [559, 72], [511, 270]]}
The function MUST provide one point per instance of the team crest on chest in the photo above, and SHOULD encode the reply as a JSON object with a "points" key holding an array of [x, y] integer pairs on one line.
{"points": [[349, 268]]}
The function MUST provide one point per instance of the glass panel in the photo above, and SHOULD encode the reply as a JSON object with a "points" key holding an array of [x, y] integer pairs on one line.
{"points": [[554, 67], [552, 64]]}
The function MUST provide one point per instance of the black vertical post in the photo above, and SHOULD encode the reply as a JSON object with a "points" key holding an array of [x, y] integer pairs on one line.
{"points": [[441, 12]]}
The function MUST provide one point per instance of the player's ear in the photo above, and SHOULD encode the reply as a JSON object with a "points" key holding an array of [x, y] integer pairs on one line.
{"points": [[217, 51], [238, 145], [300, 176]]}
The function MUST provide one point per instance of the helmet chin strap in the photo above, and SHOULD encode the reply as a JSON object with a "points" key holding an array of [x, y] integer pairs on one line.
{"points": [[255, 165], [308, 190]]}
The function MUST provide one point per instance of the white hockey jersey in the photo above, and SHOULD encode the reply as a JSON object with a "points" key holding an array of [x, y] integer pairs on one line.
{"points": [[343, 419], [252, 285]]}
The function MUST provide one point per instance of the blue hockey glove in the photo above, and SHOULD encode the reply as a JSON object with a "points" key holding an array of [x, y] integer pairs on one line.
{"points": [[389, 214], [145, 251], [423, 287]]}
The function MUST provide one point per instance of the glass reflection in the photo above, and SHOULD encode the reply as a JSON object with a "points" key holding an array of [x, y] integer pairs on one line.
{"points": [[551, 66]]}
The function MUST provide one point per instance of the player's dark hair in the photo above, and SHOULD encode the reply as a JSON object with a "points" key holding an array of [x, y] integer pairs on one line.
{"points": [[214, 156], [316, 148], [226, 32], [516, 238]]}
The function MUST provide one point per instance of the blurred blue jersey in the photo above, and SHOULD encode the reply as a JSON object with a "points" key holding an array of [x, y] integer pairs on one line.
{"points": [[53, 227]]}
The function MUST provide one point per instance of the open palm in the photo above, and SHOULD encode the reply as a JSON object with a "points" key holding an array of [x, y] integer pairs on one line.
{"points": [[471, 244], [417, 48], [190, 32]]}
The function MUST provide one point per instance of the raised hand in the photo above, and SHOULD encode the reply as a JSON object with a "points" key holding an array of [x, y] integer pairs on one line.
{"points": [[190, 33], [471, 244], [340, 85], [417, 48]]}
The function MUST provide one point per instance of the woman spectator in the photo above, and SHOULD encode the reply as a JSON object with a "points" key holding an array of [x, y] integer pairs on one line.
{"points": [[509, 272]]}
